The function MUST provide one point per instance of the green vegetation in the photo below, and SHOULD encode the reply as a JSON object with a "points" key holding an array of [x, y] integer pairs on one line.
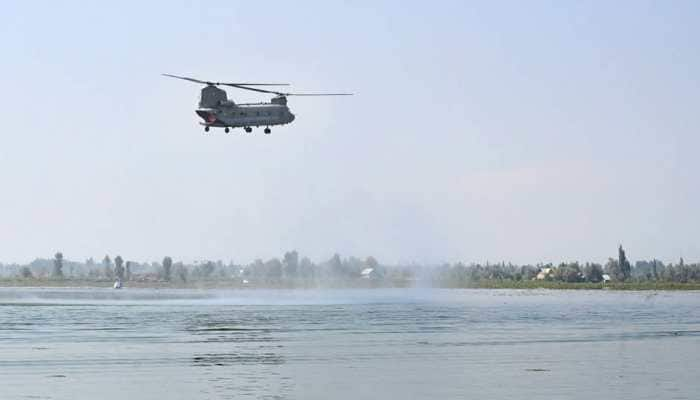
{"points": [[291, 271], [542, 284]]}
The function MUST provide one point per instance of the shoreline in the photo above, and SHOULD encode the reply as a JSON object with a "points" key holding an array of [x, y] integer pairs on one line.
{"points": [[488, 284]]}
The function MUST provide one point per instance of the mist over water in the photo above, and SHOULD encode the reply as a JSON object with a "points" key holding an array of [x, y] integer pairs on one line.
{"points": [[345, 344], [204, 297]]}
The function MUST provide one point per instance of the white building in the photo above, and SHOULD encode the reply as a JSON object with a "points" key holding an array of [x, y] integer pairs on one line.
{"points": [[544, 273], [369, 273]]}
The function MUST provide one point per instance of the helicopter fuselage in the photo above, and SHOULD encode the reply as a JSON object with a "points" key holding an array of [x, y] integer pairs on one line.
{"points": [[218, 111], [245, 115]]}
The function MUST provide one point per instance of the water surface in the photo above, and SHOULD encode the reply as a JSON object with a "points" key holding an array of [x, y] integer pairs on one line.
{"points": [[348, 344]]}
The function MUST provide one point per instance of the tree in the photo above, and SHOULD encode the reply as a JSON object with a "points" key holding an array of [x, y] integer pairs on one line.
{"points": [[58, 265], [91, 270], [335, 265], [26, 273], [593, 272], [290, 264], [180, 271], [273, 270], [307, 269], [624, 264], [528, 272], [568, 272], [612, 268], [107, 267], [683, 271], [128, 270], [372, 262], [205, 270], [167, 267], [119, 267], [257, 270]]}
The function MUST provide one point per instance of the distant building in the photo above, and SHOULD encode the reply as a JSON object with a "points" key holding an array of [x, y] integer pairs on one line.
{"points": [[544, 273], [369, 273], [606, 278]]}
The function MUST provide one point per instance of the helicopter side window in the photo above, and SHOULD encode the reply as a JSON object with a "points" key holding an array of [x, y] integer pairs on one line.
{"points": [[257, 113]]}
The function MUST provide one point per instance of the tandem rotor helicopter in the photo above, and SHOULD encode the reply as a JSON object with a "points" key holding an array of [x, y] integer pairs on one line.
{"points": [[218, 111]]}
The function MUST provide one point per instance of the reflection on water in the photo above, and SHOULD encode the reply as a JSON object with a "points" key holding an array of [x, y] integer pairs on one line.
{"points": [[347, 344], [207, 328], [223, 359]]}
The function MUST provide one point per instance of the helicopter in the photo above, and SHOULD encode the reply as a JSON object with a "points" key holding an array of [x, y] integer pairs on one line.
{"points": [[218, 111]]}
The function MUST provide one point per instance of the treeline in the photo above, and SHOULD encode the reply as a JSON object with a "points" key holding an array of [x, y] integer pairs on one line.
{"points": [[615, 270], [291, 270]]}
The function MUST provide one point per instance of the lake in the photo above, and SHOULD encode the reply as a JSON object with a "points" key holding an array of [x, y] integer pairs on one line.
{"points": [[348, 344]]}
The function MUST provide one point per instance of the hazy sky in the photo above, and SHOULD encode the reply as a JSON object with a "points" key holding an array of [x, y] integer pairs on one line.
{"points": [[517, 131]]}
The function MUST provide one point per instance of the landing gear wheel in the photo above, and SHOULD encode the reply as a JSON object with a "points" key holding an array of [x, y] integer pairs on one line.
{"points": [[206, 129], [267, 131], [248, 129], [226, 129]]}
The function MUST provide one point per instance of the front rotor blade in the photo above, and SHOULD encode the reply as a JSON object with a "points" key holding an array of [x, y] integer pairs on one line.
{"points": [[239, 86], [188, 79], [251, 84], [221, 83]]}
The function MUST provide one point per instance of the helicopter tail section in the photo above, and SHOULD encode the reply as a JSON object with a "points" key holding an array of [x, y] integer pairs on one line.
{"points": [[212, 96]]}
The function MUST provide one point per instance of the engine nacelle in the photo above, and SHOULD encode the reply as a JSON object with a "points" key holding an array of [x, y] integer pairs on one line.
{"points": [[281, 100]]}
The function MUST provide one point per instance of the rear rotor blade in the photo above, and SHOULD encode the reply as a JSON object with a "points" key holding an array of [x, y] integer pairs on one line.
{"points": [[319, 94], [242, 86]]}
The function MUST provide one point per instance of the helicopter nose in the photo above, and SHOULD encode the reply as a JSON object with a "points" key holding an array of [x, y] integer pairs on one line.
{"points": [[206, 116], [291, 117]]}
